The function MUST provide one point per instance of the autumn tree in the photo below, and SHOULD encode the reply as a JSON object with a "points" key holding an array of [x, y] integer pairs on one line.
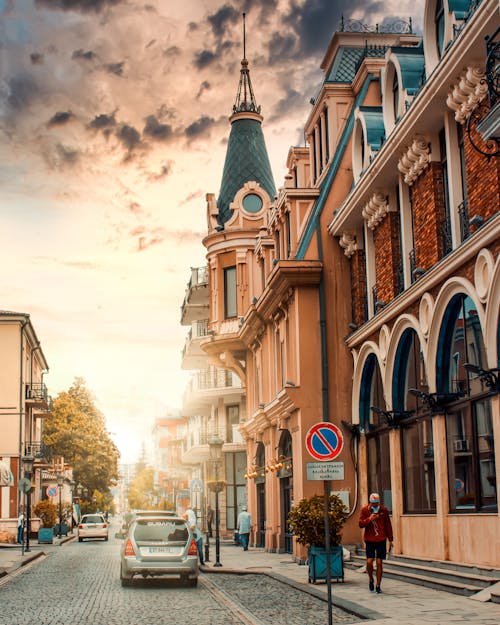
{"points": [[142, 493], [77, 431]]}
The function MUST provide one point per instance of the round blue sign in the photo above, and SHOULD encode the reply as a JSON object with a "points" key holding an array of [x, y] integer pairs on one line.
{"points": [[324, 441]]}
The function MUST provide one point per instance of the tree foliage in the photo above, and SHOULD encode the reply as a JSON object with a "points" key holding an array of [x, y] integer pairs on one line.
{"points": [[47, 511], [142, 493], [307, 520], [77, 431]]}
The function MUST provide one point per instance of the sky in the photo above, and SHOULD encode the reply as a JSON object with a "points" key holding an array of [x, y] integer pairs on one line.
{"points": [[113, 128]]}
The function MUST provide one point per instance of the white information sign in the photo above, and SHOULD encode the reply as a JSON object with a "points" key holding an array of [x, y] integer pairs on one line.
{"points": [[325, 470]]}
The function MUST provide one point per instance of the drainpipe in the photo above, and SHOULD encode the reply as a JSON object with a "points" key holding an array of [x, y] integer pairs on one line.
{"points": [[322, 325], [22, 394]]}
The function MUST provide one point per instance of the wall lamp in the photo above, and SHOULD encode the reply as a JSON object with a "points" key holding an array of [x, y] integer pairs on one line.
{"points": [[393, 418], [352, 428], [490, 377], [436, 402]]}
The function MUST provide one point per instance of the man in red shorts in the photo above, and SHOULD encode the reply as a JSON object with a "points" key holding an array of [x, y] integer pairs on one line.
{"points": [[378, 529]]}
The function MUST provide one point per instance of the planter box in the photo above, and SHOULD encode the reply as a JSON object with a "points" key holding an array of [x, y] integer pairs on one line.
{"points": [[64, 529], [317, 564], [46, 535]]}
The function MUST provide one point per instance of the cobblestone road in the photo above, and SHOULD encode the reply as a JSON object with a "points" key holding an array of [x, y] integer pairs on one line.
{"points": [[78, 584]]}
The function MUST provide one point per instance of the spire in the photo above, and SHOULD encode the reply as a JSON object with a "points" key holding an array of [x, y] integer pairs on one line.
{"points": [[245, 98], [246, 155]]}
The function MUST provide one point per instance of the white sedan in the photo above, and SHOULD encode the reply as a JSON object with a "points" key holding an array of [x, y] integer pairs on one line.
{"points": [[92, 526]]}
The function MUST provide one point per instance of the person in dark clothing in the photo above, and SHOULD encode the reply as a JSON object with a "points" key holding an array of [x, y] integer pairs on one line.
{"points": [[375, 520], [210, 520]]}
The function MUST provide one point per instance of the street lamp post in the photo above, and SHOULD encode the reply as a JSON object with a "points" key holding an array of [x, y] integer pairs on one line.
{"points": [[28, 473], [72, 485], [60, 482], [215, 444], [94, 503]]}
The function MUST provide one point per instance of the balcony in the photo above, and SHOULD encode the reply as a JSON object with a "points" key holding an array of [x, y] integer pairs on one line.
{"points": [[40, 452], [206, 386], [36, 395], [193, 357], [196, 449], [195, 304]]}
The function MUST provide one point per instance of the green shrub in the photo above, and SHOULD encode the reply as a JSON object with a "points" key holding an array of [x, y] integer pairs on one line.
{"points": [[307, 520], [47, 511]]}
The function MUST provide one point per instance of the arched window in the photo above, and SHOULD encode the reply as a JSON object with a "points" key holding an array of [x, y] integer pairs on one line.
{"points": [[377, 431], [469, 423], [285, 475], [419, 487], [395, 95]]}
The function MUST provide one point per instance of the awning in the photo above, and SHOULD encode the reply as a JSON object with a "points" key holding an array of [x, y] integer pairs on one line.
{"points": [[6, 477]]}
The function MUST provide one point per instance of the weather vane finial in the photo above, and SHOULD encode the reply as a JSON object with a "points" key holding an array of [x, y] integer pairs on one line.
{"points": [[244, 38]]}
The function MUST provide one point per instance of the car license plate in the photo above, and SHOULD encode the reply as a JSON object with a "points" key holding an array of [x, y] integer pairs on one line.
{"points": [[161, 550]]}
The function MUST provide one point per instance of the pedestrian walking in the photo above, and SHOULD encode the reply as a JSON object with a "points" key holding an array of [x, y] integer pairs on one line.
{"points": [[190, 516], [244, 526], [210, 520], [375, 520], [20, 526]]}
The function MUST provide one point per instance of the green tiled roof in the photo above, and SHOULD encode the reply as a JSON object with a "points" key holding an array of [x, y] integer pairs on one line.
{"points": [[347, 61], [246, 159]]}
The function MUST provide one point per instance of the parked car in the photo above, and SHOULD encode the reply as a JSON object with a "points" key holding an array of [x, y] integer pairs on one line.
{"points": [[92, 526], [159, 546]]}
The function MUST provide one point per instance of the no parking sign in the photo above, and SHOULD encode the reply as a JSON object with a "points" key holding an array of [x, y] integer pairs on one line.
{"points": [[324, 441], [52, 490]]}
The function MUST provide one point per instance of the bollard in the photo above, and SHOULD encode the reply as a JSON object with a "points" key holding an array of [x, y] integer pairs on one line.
{"points": [[207, 548]]}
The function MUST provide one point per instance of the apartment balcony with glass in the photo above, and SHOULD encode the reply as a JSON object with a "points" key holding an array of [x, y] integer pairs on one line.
{"points": [[193, 357], [206, 386]]}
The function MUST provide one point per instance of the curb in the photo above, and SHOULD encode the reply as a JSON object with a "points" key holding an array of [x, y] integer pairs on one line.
{"points": [[344, 604]]}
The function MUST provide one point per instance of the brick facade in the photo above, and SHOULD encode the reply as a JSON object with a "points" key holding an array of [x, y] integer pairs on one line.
{"points": [[358, 287], [428, 216], [387, 241]]}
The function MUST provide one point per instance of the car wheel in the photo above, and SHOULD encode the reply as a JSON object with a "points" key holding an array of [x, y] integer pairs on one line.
{"points": [[126, 581], [105, 538], [80, 539], [193, 582]]}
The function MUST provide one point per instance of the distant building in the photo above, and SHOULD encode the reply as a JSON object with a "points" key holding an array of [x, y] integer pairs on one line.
{"points": [[24, 404]]}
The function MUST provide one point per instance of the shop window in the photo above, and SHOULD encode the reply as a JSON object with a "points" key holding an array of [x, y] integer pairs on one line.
{"points": [[469, 426], [235, 487], [419, 488], [377, 433]]}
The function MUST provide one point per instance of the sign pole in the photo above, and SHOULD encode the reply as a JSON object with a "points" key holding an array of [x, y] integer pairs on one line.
{"points": [[326, 485]]}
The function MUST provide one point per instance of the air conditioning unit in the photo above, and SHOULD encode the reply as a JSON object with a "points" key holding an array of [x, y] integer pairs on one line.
{"points": [[461, 445]]}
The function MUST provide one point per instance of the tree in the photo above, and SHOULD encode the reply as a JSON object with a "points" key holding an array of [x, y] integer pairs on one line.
{"points": [[77, 431], [142, 493], [307, 520]]}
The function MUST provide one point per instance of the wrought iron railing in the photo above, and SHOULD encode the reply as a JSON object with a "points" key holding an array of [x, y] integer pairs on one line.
{"points": [[446, 238], [36, 391], [463, 215], [400, 277], [39, 451]]}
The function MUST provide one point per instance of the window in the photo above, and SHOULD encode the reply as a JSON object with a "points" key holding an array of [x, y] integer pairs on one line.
{"points": [[232, 422], [395, 95], [235, 486], [463, 210], [439, 21], [419, 489], [230, 305], [446, 223], [377, 433], [469, 427]]}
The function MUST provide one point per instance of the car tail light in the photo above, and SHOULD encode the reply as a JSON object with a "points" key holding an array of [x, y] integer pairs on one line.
{"points": [[193, 549], [129, 548], [80, 527], [104, 526]]}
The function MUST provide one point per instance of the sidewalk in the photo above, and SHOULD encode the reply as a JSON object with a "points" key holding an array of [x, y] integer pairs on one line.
{"points": [[12, 557], [400, 603]]}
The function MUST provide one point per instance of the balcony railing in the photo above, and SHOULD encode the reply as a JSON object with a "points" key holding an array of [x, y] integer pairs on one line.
{"points": [[446, 236], [214, 379], [39, 451], [463, 214], [36, 391]]}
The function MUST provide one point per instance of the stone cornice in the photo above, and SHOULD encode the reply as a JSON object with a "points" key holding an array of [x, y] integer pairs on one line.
{"points": [[375, 210], [415, 160], [348, 243]]}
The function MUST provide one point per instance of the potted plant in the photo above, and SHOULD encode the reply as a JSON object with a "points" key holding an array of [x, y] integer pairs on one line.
{"points": [[47, 511], [307, 522]]}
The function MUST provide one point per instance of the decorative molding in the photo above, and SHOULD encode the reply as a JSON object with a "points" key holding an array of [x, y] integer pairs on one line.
{"points": [[468, 93], [415, 160], [376, 209], [348, 243]]}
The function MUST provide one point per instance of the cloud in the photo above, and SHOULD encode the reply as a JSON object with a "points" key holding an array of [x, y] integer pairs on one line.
{"points": [[83, 6], [21, 91], [221, 18], [36, 58], [61, 156], [192, 196], [115, 68], [60, 118], [164, 171], [156, 130], [204, 58], [200, 127], [74, 264], [86, 55], [205, 86], [103, 121], [129, 136]]}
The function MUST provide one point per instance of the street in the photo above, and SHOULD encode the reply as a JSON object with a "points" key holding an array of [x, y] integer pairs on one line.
{"points": [[78, 584]]}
